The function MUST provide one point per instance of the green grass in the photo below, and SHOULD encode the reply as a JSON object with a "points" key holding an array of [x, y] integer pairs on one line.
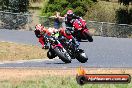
{"points": [[103, 11], [56, 82]]}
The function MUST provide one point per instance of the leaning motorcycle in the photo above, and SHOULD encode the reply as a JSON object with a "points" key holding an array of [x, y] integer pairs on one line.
{"points": [[81, 31], [72, 47], [56, 49]]}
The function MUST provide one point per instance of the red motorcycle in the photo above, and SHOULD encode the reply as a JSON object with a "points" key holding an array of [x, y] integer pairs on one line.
{"points": [[56, 49], [81, 31]]}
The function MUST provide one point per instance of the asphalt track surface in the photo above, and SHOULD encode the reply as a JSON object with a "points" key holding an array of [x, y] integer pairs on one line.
{"points": [[103, 52]]}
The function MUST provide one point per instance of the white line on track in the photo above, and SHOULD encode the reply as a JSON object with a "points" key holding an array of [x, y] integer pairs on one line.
{"points": [[23, 61]]}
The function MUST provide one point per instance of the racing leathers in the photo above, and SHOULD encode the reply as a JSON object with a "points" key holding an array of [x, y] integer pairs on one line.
{"points": [[41, 38]]}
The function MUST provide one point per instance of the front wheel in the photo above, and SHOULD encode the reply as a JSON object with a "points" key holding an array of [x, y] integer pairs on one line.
{"points": [[81, 56], [63, 54]]}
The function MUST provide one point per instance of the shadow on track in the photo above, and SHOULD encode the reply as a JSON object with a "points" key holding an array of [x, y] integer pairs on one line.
{"points": [[84, 41]]}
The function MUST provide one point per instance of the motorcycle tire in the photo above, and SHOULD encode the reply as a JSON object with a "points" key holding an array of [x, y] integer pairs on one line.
{"points": [[64, 56], [51, 54], [88, 36], [81, 56]]}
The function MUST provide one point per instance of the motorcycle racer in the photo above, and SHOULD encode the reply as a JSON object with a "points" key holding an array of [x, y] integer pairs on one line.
{"points": [[42, 33], [39, 32], [70, 20], [69, 17]]}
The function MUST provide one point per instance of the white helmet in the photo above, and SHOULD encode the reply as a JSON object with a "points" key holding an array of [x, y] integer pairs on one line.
{"points": [[39, 27]]}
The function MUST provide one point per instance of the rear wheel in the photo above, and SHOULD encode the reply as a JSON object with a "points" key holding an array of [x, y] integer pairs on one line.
{"points": [[81, 56], [62, 54], [88, 36]]}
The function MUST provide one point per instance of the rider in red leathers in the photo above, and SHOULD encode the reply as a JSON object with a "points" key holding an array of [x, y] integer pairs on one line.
{"points": [[39, 32], [42, 32]]}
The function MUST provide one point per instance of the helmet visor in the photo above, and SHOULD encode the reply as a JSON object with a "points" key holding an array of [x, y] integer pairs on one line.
{"points": [[70, 15]]}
